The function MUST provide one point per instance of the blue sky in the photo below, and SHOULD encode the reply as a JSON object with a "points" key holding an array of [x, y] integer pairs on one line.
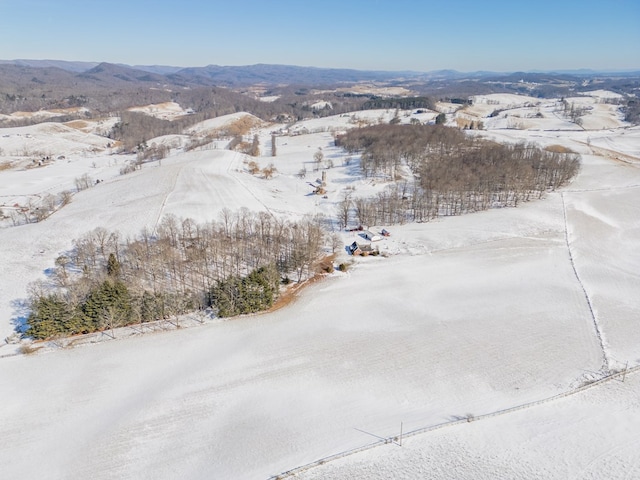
{"points": [[417, 35]]}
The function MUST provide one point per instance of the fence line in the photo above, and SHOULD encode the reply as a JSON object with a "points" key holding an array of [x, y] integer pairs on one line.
{"points": [[606, 364], [188, 320], [431, 428]]}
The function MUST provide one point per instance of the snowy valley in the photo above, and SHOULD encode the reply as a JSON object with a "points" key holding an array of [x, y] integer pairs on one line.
{"points": [[457, 319]]}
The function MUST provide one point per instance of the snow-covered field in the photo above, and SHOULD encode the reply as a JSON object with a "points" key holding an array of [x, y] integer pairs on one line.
{"points": [[592, 434], [165, 111], [466, 316], [43, 114]]}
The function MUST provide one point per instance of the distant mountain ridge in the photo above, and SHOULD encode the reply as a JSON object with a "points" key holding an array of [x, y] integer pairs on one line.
{"points": [[215, 74], [268, 73], [109, 73], [49, 84], [76, 67], [81, 67], [277, 74]]}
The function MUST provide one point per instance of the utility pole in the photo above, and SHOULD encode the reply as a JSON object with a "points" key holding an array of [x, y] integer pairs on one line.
{"points": [[400, 433], [624, 374]]}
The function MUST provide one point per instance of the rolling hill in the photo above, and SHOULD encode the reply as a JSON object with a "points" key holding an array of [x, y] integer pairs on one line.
{"points": [[461, 317]]}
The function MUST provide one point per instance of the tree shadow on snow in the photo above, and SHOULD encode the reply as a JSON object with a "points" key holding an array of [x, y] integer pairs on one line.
{"points": [[352, 171], [20, 315]]}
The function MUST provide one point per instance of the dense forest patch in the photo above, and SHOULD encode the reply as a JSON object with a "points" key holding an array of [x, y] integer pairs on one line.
{"points": [[452, 173]]}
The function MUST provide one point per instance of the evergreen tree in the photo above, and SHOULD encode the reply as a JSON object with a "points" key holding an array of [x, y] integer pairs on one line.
{"points": [[225, 295], [253, 293], [113, 266], [150, 307], [51, 316], [108, 305]]}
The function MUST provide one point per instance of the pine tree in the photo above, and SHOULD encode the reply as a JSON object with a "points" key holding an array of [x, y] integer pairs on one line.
{"points": [[51, 316], [108, 305], [149, 307], [253, 293], [113, 266]]}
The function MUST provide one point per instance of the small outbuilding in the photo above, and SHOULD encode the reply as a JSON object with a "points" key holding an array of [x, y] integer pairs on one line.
{"points": [[372, 236], [361, 249]]}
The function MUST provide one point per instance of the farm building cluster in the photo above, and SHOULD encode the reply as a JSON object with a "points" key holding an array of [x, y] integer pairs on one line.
{"points": [[365, 249]]}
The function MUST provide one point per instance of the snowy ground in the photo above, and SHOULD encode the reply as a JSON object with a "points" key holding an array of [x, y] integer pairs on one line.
{"points": [[592, 434], [164, 111], [42, 114], [468, 315]]}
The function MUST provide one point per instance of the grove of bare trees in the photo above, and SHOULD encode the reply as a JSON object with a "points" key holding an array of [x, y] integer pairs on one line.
{"points": [[234, 265], [451, 173]]}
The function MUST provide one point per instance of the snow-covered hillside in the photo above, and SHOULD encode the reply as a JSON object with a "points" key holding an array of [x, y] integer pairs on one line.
{"points": [[467, 315], [165, 111], [43, 114], [592, 434]]}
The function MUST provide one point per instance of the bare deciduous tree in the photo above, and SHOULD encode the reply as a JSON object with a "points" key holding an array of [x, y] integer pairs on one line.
{"points": [[344, 210], [317, 158], [83, 182]]}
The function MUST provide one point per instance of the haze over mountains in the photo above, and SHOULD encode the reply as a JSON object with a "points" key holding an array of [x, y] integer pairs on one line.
{"points": [[210, 74], [263, 73], [213, 90]]}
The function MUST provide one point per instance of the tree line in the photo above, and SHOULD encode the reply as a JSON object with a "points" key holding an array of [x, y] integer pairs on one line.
{"points": [[451, 173], [235, 265], [402, 103]]}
